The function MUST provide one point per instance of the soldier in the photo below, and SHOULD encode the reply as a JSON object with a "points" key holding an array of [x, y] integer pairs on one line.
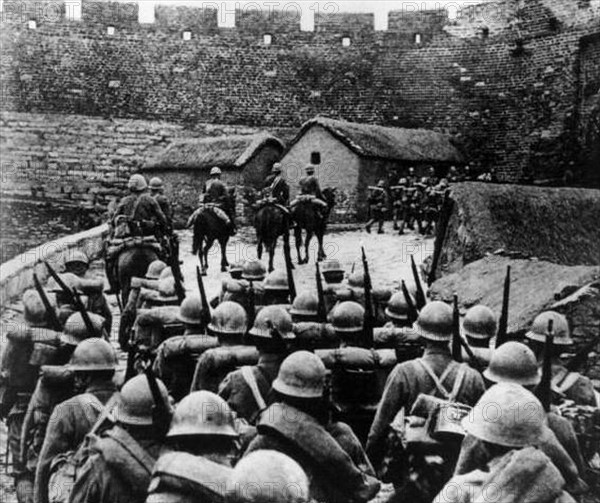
{"points": [[348, 320], [329, 453], [228, 324], [246, 390], [277, 187], [234, 288], [276, 288], [273, 477], [122, 457], [454, 176], [512, 469], [411, 177], [305, 307], [93, 362], [399, 201], [216, 192], [333, 274], [435, 374], [253, 272], [378, 202], [309, 188], [480, 326], [397, 311], [77, 263], [432, 178], [200, 450], [157, 191], [565, 384]]}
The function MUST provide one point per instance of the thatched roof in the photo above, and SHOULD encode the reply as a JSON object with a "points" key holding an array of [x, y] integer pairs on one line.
{"points": [[226, 152], [416, 145]]}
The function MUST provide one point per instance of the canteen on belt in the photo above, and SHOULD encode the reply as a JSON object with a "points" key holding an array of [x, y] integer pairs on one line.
{"points": [[446, 423]]}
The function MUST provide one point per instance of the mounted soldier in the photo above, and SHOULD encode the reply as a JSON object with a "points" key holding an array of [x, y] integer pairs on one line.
{"points": [[277, 188], [217, 197], [200, 451], [378, 203], [157, 191]]}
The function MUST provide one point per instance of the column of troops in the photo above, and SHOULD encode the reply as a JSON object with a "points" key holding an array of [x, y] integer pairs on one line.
{"points": [[262, 394]]}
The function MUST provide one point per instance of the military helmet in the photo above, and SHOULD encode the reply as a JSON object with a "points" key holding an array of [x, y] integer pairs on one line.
{"points": [[228, 318], [202, 413], [266, 476], [237, 267], [68, 278], [254, 270], [435, 322], [137, 183], [75, 329], [560, 329], [381, 183], [403, 181], [166, 289], [513, 362], [310, 168], [397, 307], [215, 171], [34, 310], [77, 256], [93, 354], [276, 168], [480, 323], [331, 265], [154, 269], [167, 272], [137, 402], [348, 316], [357, 279], [509, 415], [273, 321], [277, 281], [306, 303], [190, 311], [156, 183], [301, 375]]}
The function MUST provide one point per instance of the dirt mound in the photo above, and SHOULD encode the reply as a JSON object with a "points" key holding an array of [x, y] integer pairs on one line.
{"points": [[560, 225]]}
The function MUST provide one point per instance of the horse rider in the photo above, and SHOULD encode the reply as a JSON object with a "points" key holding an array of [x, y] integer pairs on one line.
{"points": [[157, 191], [309, 186], [378, 201], [217, 193], [277, 189]]}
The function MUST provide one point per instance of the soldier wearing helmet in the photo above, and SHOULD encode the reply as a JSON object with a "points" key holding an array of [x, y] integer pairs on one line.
{"points": [[509, 460], [120, 463], [305, 307], [480, 325], [310, 189], [435, 374], [565, 384], [277, 188], [200, 450], [276, 288], [251, 283], [348, 319], [93, 362], [246, 390], [77, 263], [217, 193], [234, 288], [334, 288], [378, 204], [274, 477], [228, 323], [157, 191], [329, 452]]}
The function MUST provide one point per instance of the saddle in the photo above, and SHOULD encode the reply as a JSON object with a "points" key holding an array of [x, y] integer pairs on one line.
{"points": [[118, 245], [211, 207], [271, 201]]}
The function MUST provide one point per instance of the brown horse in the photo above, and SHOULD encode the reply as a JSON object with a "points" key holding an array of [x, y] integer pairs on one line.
{"points": [[271, 222], [312, 219]]}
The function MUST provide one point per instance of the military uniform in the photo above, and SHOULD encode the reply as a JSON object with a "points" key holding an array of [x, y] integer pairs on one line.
{"points": [[378, 202], [309, 185], [142, 213]]}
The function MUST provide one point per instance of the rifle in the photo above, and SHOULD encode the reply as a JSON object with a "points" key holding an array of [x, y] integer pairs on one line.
{"points": [[421, 300], [205, 314], [288, 268], [440, 234], [580, 358], [51, 313], [503, 324], [456, 346], [544, 388], [161, 413], [174, 263], [75, 300], [321, 309], [251, 306], [369, 316], [413, 314]]}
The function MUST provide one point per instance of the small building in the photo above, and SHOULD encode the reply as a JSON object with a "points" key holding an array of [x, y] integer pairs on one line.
{"points": [[184, 166], [352, 157]]}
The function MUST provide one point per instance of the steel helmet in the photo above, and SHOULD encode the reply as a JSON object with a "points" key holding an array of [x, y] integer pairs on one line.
{"points": [[228, 318], [156, 183], [480, 323], [435, 322], [137, 183], [34, 310], [305, 304], [137, 402], [560, 329], [166, 290], [301, 375], [348, 316], [155, 269], [215, 171], [202, 413], [513, 362], [356, 280], [332, 265], [237, 267], [75, 329], [254, 270], [397, 307], [267, 476], [93, 354], [310, 168], [276, 168], [68, 278], [77, 256], [277, 281], [167, 272], [273, 321], [190, 311], [509, 415], [403, 181], [381, 183]]}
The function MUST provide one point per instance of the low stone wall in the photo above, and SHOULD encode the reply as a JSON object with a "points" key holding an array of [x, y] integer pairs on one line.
{"points": [[16, 275]]}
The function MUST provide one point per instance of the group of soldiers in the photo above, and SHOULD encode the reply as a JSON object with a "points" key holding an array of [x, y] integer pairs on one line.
{"points": [[262, 394]]}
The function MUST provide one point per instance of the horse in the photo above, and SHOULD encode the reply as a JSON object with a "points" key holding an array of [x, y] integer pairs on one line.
{"points": [[208, 227], [270, 222], [133, 262], [308, 217]]}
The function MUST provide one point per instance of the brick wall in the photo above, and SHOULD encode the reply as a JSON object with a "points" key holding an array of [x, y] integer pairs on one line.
{"points": [[512, 98]]}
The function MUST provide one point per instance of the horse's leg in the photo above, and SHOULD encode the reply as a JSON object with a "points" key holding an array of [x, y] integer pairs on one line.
{"points": [[287, 252], [272, 246], [223, 245], [321, 253], [259, 249], [298, 238], [309, 235], [207, 248]]}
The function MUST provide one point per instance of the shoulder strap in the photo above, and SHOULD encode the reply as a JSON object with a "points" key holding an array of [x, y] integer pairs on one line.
{"points": [[564, 380], [460, 377], [136, 206], [90, 402], [438, 381], [250, 380]]}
